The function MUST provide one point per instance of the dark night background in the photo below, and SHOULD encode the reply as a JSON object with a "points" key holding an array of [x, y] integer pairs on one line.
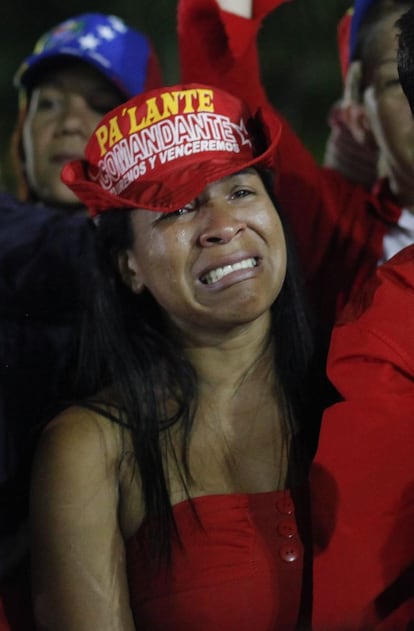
{"points": [[297, 46]]}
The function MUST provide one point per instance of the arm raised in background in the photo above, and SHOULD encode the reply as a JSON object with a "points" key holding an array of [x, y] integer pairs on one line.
{"points": [[77, 548], [327, 213], [217, 44]]}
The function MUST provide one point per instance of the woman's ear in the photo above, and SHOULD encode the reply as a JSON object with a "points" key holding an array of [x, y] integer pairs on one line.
{"points": [[353, 110], [130, 271], [358, 123]]}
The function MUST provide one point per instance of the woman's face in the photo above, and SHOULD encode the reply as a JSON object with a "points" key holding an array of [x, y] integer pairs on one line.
{"points": [[65, 107], [387, 111], [218, 262]]}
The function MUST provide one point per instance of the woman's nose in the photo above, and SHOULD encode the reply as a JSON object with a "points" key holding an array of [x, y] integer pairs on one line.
{"points": [[75, 117], [220, 224]]}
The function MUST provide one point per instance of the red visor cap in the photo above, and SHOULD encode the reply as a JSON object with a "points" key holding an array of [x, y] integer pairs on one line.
{"points": [[343, 39], [160, 149]]}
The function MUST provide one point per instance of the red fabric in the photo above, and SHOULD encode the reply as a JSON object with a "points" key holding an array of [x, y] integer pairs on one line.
{"points": [[4, 625], [154, 73], [363, 476], [339, 227], [161, 148], [219, 48], [343, 37], [232, 572]]}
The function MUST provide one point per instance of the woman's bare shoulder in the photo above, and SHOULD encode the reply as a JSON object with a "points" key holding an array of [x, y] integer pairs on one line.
{"points": [[76, 524], [80, 439]]}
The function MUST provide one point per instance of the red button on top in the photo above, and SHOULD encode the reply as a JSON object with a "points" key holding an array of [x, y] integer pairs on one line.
{"points": [[285, 505], [289, 552], [287, 528]]}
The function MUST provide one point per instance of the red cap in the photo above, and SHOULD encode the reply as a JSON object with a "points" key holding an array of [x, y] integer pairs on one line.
{"points": [[343, 39], [160, 149], [348, 30]]}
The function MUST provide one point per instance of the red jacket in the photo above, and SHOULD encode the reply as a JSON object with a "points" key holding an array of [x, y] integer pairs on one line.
{"points": [[339, 227], [363, 476]]}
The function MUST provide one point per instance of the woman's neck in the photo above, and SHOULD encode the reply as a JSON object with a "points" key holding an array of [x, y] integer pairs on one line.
{"points": [[224, 361]]}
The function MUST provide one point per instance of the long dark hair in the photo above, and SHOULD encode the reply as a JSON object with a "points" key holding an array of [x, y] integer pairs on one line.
{"points": [[124, 346], [405, 56]]}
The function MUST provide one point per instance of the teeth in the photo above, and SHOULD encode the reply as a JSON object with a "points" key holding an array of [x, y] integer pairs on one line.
{"points": [[216, 274]]}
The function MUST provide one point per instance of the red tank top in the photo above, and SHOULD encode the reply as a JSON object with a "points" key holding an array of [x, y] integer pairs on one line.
{"points": [[239, 567]]}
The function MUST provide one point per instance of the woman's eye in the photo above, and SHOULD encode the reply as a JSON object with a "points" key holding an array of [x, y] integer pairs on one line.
{"points": [[242, 192], [46, 103], [392, 82], [389, 83], [185, 210]]}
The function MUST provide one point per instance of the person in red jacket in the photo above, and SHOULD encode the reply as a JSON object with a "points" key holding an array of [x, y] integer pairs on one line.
{"points": [[342, 230], [363, 473]]}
